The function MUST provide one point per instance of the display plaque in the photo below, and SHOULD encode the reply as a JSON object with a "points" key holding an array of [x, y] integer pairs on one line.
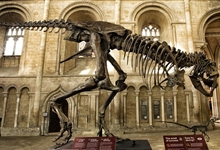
{"points": [[185, 142], [94, 143], [156, 109]]}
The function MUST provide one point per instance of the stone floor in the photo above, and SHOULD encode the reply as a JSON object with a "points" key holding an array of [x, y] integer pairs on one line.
{"points": [[155, 139]]}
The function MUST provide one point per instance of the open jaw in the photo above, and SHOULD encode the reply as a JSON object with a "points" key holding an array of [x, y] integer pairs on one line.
{"points": [[205, 85]]}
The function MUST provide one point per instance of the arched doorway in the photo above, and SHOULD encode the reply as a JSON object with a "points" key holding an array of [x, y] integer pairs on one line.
{"points": [[54, 125]]}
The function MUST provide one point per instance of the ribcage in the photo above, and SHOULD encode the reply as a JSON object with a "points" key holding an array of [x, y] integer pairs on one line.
{"points": [[156, 61]]}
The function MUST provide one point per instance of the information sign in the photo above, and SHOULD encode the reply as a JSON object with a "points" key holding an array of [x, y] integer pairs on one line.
{"points": [[94, 143], [185, 142]]}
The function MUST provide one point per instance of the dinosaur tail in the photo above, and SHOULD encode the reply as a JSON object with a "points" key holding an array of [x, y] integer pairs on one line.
{"points": [[41, 25]]}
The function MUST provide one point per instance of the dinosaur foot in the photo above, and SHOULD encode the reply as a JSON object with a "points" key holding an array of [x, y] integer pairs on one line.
{"points": [[121, 140], [60, 143]]}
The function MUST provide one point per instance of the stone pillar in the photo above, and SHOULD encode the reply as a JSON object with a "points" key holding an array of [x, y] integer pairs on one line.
{"points": [[116, 122], [94, 108], [40, 64], [30, 115], [188, 25], [162, 105], [175, 105], [5, 94], [215, 106], [97, 109], [16, 111], [137, 108], [124, 94], [123, 107], [150, 108], [110, 114], [76, 112], [174, 34], [197, 105], [187, 107]]}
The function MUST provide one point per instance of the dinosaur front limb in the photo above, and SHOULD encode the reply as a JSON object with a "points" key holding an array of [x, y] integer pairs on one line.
{"points": [[88, 85]]}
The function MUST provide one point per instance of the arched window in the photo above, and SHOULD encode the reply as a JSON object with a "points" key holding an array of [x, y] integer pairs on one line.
{"points": [[11, 39], [151, 31], [13, 42]]}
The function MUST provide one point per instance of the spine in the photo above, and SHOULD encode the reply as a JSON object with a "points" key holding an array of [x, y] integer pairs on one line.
{"points": [[40, 25]]}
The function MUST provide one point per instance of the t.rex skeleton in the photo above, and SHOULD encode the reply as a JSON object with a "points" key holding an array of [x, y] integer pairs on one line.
{"points": [[154, 59]]}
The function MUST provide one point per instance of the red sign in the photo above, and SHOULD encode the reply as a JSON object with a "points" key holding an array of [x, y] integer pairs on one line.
{"points": [[185, 142], [94, 143]]}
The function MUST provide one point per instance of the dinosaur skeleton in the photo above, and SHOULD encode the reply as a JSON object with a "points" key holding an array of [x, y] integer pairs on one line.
{"points": [[155, 61], [195, 128]]}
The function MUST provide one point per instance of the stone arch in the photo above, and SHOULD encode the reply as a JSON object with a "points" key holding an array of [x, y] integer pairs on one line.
{"points": [[21, 14], [79, 6], [2, 88], [144, 104], [146, 6], [156, 102], [208, 18], [154, 13], [11, 102], [46, 108], [23, 107], [205, 20], [78, 11], [11, 86], [132, 85], [141, 85], [24, 86], [130, 115], [17, 8]]}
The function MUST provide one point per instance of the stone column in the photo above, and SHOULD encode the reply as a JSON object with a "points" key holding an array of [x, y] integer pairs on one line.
{"points": [[76, 113], [16, 111], [40, 66], [123, 108], [5, 94], [162, 105], [174, 34], [188, 25], [94, 108], [175, 105], [110, 112], [137, 108], [97, 110], [150, 108], [30, 118], [116, 102], [187, 107]]}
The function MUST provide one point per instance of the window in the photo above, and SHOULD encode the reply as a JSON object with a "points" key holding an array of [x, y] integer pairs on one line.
{"points": [[152, 32], [13, 42]]}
